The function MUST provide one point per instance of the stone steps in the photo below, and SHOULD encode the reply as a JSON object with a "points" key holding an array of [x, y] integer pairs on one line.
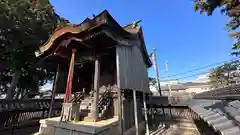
{"points": [[86, 105]]}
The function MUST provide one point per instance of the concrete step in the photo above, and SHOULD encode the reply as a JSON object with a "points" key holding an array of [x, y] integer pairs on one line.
{"points": [[88, 100]]}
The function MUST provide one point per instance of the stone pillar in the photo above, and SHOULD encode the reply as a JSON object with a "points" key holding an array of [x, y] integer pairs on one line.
{"points": [[94, 111]]}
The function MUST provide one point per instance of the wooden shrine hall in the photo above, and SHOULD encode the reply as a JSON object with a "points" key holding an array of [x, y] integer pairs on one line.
{"points": [[102, 69]]}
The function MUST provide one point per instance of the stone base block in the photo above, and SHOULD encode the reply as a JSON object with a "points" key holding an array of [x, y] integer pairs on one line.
{"points": [[70, 111], [90, 119], [54, 127]]}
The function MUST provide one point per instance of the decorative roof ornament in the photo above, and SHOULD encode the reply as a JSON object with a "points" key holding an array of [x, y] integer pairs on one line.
{"points": [[136, 23]]}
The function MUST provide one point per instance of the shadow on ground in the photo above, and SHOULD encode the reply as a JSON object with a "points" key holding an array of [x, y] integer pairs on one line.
{"points": [[28, 130], [204, 128]]}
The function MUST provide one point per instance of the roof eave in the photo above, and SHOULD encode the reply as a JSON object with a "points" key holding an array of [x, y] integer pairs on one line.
{"points": [[100, 20]]}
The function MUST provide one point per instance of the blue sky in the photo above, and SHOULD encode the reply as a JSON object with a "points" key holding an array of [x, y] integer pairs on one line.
{"points": [[186, 39]]}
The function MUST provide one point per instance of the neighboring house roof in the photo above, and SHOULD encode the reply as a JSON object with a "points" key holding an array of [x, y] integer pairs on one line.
{"points": [[189, 84], [184, 86], [174, 87]]}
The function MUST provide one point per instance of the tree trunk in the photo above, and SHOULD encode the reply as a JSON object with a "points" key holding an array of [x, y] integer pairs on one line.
{"points": [[15, 79]]}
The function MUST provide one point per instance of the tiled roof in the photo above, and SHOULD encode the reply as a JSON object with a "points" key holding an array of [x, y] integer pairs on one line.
{"points": [[183, 86]]}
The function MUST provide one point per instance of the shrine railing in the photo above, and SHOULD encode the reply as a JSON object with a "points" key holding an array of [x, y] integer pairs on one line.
{"points": [[105, 101], [19, 113]]}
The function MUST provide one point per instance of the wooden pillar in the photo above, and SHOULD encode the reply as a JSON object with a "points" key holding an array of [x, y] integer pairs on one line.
{"points": [[135, 111], [120, 114], [119, 92], [68, 93], [145, 113], [123, 102], [54, 89], [151, 109], [94, 110]]}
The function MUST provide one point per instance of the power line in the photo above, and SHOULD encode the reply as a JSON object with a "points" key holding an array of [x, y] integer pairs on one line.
{"points": [[192, 70], [184, 77]]}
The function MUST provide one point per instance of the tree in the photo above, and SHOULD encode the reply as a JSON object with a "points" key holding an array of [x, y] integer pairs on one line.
{"points": [[225, 74], [152, 81], [26, 24], [230, 8]]}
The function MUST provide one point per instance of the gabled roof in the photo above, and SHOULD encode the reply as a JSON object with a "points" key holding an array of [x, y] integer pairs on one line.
{"points": [[138, 30], [103, 20]]}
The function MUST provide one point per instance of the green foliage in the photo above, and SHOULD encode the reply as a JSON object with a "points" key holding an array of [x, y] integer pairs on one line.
{"points": [[229, 8], [25, 24], [152, 81], [225, 74]]}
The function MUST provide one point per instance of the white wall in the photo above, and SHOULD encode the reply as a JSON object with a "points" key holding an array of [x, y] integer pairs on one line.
{"points": [[198, 89]]}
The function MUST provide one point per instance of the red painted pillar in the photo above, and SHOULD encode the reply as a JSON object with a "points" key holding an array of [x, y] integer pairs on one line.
{"points": [[68, 92]]}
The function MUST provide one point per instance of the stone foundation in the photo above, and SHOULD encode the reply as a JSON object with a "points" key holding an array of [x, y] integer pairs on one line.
{"points": [[104, 127]]}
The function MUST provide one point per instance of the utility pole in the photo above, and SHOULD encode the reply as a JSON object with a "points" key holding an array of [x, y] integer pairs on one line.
{"points": [[169, 86], [156, 70]]}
